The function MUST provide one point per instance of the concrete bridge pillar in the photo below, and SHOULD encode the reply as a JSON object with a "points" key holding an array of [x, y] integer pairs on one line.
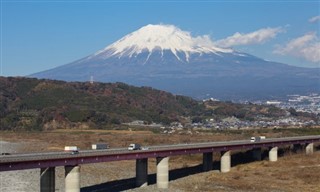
{"points": [[141, 172], [163, 172], [225, 162], [309, 148], [207, 161], [72, 178], [273, 154], [256, 153], [47, 179], [297, 148]]}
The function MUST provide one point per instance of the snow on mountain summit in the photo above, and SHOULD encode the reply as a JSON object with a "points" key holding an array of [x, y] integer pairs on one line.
{"points": [[166, 58], [160, 37]]}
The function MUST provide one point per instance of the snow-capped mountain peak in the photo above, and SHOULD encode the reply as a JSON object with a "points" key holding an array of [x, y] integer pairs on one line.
{"points": [[160, 37], [167, 58]]}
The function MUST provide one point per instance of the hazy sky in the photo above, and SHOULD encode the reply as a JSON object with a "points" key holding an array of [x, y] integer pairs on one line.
{"points": [[38, 35]]}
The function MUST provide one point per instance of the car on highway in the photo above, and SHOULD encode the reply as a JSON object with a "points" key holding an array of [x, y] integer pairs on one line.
{"points": [[144, 148], [257, 139], [74, 152]]}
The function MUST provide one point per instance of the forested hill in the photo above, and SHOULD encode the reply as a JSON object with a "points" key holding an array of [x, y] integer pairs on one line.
{"points": [[32, 104]]}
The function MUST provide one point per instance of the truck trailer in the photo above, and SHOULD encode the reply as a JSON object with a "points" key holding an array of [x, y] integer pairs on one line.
{"points": [[72, 149], [98, 146]]}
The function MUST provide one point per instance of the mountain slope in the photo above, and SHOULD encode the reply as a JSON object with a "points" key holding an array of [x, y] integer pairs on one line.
{"points": [[32, 104], [28, 103], [167, 58]]}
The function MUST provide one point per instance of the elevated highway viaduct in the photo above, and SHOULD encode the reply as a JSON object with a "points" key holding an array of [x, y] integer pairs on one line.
{"points": [[71, 162]]}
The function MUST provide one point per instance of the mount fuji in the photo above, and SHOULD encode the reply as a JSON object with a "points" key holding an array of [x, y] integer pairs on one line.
{"points": [[167, 58]]}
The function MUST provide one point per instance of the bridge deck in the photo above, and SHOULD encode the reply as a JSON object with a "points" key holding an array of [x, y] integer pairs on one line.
{"points": [[53, 159]]}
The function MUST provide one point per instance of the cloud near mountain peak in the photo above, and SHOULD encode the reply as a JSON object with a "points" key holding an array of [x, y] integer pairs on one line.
{"points": [[306, 46], [256, 37]]}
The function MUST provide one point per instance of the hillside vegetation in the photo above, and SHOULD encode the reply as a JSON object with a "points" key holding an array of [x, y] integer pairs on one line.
{"points": [[33, 104], [30, 103]]}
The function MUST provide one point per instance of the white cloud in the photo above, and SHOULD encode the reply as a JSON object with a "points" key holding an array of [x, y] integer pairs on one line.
{"points": [[306, 46], [257, 37], [203, 40], [314, 19]]}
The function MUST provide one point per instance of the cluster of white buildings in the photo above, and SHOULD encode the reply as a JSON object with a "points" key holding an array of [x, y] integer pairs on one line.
{"points": [[304, 103]]}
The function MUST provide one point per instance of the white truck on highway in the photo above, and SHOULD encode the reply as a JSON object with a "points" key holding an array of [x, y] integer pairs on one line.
{"points": [[257, 139], [98, 146], [134, 146], [72, 149]]}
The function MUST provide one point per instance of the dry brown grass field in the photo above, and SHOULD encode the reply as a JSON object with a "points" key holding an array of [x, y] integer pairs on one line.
{"points": [[292, 172]]}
